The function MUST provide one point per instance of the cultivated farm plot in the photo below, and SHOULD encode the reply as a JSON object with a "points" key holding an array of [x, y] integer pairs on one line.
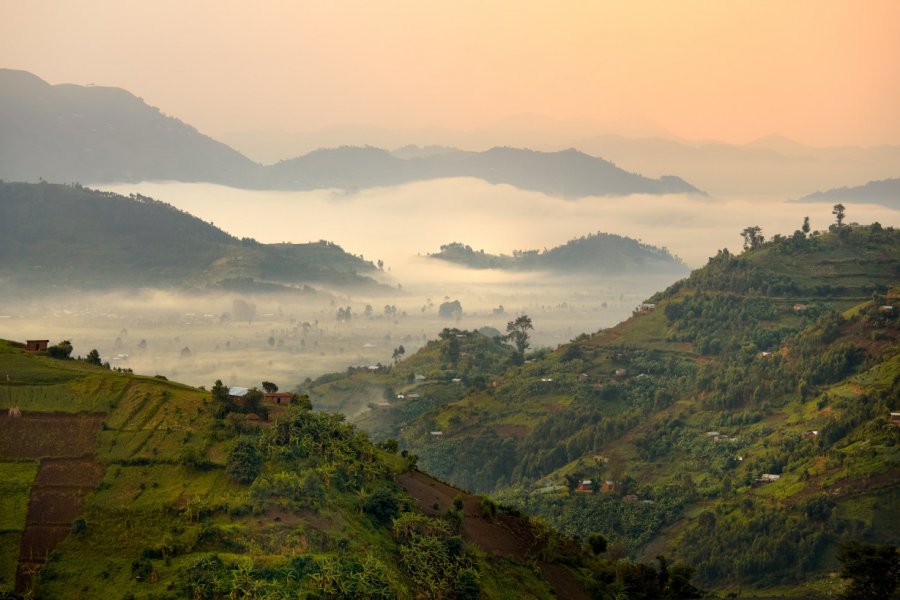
{"points": [[159, 486], [91, 393], [16, 480], [40, 435]]}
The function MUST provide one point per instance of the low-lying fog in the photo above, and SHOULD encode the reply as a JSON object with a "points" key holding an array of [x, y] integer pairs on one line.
{"points": [[197, 338]]}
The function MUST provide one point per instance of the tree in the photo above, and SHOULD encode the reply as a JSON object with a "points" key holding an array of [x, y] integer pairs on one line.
{"points": [[270, 387], [517, 333], [243, 310], [874, 570], [450, 310], [838, 212], [93, 358], [805, 228], [398, 353], [597, 543], [244, 462], [60, 350], [753, 237]]}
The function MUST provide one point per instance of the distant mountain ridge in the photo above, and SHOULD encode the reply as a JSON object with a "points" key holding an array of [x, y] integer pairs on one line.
{"points": [[68, 133], [885, 192], [593, 254], [73, 236]]}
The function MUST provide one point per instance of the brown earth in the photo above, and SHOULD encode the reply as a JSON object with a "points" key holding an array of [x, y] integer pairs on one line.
{"points": [[504, 536], [48, 435], [65, 445]]}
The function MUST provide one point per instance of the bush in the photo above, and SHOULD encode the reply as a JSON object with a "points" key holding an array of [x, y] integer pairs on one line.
{"points": [[244, 462]]}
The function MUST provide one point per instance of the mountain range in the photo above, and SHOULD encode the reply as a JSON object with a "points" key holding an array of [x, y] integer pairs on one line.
{"points": [[70, 133]]}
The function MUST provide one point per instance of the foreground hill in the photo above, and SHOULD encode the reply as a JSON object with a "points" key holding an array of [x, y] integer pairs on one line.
{"points": [[885, 192], [739, 421], [117, 485], [78, 237], [594, 254], [69, 133]]}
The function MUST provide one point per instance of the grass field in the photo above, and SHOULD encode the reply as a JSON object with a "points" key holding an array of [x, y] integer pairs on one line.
{"points": [[16, 479]]}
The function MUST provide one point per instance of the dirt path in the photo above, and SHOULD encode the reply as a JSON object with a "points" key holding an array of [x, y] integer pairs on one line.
{"points": [[68, 472], [505, 536]]}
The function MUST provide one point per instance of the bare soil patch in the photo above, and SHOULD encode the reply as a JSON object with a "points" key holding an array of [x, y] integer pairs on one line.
{"points": [[65, 443], [518, 431]]}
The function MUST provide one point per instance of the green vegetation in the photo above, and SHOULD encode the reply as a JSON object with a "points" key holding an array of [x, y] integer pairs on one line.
{"points": [[15, 484], [739, 421], [595, 254], [183, 499]]}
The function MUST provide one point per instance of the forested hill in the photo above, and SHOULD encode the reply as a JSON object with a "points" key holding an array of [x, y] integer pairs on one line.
{"points": [[885, 192], [740, 420], [73, 236], [88, 134], [594, 254]]}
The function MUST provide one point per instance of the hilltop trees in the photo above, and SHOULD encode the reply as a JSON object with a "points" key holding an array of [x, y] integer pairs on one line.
{"points": [[753, 237], [517, 333], [838, 212]]}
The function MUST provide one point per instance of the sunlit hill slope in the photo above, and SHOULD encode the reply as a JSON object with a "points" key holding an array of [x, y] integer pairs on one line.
{"points": [[740, 420]]}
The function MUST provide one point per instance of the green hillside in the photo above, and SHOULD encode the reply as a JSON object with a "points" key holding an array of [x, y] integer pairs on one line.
{"points": [[121, 486], [781, 361], [593, 254], [74, 236]]}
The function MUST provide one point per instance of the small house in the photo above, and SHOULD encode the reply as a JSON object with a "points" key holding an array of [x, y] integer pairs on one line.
{"points": [[278, 397], [585, 486], [646, 307], [608, 486], [886, 308], [630, 498], [620, 372], [768, 478], [437, 434], [895, 418], [800, 307], [584, 377], [36, 345], [809, 435], [419, 377]]}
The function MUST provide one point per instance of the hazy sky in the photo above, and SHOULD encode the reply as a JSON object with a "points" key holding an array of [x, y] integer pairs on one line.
{"points": [[823, 72]]}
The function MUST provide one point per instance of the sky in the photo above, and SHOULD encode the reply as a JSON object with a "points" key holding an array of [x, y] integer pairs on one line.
{"points": [[823, 72]]}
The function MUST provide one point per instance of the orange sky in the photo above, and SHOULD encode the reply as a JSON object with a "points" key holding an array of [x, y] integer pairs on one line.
{"points": [[822, 72]]}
